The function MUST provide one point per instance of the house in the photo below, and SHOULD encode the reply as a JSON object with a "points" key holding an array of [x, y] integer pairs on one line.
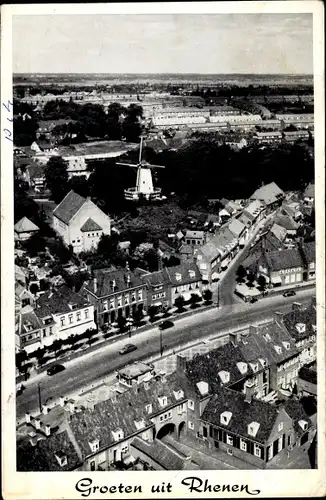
{"points": [[80, 222], [296, 135], [279, 232], [252, 214], [272, 354], [63, 313], [307, 381], [158, 288], [28, 331], [309, 194], [227, 245], [35, 176], [24, 229], [270, 194], [115, 294], [23, 297], [185, 280], [49, 129], [186, 252], [239, 230], [293, 209], [21, 275], [157, 455], [194, 238], [208, 259], [288, 223], [271, 137], [252, 430], [308, 253], [282, 267], [135, 373], [301, 325]]}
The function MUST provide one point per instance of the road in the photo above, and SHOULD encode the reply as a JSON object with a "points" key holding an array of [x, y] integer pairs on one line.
{"points": [[93, 367]]}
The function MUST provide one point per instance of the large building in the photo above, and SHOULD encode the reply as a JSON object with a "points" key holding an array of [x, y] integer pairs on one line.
{"points": [[80, 222]]}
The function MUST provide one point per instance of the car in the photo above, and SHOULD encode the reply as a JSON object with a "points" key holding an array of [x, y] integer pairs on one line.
{"points": [[127, 348], [289, 293], [166, 324], [252, 300], [55, 369]]}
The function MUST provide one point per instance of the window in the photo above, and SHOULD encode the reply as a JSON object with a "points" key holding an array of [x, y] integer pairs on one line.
{"points": [[124, 449], [191, 404], [105, 305], [205, 431], [148, 408], [78, 316], [289, 440], [191, 425], [161, 418], [257, 451], [62, 320], [229, 440], [86, 313], [140, 295], [243, 445], [70, 318], [44, 332], [280, 426]]}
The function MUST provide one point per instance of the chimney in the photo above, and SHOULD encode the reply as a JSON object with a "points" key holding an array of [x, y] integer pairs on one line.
{"points": [[249, 391], [45, 409], [113, 395], [181, 363], [62, 401], [71, 405], [127, 266], [163, 376], [28, 418], [47, 430], [128, 280], [297, 306], [95, 285], [278, 316], [233, 338], [37, 423], [113, 284], [253, 329]]}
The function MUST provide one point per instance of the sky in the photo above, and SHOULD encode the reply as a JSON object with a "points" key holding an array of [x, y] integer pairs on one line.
{"points": [[211, 43]]}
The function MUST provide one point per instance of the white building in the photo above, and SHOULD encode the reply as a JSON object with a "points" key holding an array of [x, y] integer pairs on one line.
{"points": [[80, 222]]}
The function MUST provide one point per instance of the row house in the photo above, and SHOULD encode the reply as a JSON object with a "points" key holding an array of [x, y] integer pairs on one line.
{"points": [[301, 324], [272, 137], [307, 382], [80, 222], [158, 288], [298, 120], [296, 135], [288, 223], [272, 354], [185, 280], [270, 194], [208, 260], [115, 294], [281, 267], [308, 253], [252, 430], [252, 215], [309, 194]]}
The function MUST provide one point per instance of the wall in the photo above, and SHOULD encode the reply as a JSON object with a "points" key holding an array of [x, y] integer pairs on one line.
{"points": [[62, 229], [71, 325], [88, 210]]}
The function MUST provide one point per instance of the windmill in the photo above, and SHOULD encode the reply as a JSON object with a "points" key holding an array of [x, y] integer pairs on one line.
{"points": [[144, 183]]}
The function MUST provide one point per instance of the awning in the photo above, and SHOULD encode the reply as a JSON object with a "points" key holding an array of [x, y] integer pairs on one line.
{"points": [[276, 280]]}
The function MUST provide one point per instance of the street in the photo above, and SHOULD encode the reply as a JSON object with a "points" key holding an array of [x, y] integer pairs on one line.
{"points": [[94, 366]]}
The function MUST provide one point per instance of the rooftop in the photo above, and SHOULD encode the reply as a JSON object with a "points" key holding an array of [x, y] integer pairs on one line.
{"points": [[135, 370], [69, 206], [58, 302], [270, 193], [284, 259], [113, 281], [25, 226], [300, 322], [188, 271], [90, 225]]}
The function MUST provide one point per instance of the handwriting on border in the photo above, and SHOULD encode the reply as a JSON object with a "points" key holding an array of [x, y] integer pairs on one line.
{"points": [[9, 108]]}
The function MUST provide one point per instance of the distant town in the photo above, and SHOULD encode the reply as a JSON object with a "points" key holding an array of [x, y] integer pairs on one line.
{"points": [[165, 272]]}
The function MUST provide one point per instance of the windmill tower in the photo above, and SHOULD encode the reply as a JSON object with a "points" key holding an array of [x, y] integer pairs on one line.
{"points": [[144, 188]]}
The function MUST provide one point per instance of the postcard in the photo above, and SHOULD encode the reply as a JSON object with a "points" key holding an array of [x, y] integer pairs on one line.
{"points": [[163, 250]]}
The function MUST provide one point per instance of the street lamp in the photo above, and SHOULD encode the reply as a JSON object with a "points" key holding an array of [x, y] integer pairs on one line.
{"points": [[161, 343], [39, 396]]}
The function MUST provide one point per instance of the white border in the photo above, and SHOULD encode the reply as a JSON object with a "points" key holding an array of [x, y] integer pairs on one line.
{"points": [[62, 485]]}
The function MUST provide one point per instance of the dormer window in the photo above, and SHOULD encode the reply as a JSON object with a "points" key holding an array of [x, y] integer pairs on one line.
{"points": [[253, 428], [178, 394], [192, 273], [286, 345], [242, 367], [224, 376], [178, 276], [267, 337], [301, 327], [149, 408], [278, 349], [262, 362], [140, 424], [61, 458], [191, 404], [254, 367], [163, 400], [94, 445], [117, 434], [73, 306], [303, 424], [225, 417], [203, 387]]}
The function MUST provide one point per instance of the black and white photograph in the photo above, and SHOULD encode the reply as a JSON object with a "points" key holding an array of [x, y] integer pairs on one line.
{"points": [[165, 246]]}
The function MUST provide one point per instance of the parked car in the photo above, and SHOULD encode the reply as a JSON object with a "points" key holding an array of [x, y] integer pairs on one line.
{"points": [[252, 300], [55, 369], [289, 293], [166, 324], [127, 348]]}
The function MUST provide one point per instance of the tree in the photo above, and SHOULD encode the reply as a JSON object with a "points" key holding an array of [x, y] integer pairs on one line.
{"points": [[121, 323], [89, 334], [137, 316], [194, 299], [241, 273], [21, 356], [35, 244], [39, 354], [152, 312], [56, 178], [34, 288], [262, 282], [56, 346], [207, 295], [250, 279], [179, 302], [79, 184]]}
